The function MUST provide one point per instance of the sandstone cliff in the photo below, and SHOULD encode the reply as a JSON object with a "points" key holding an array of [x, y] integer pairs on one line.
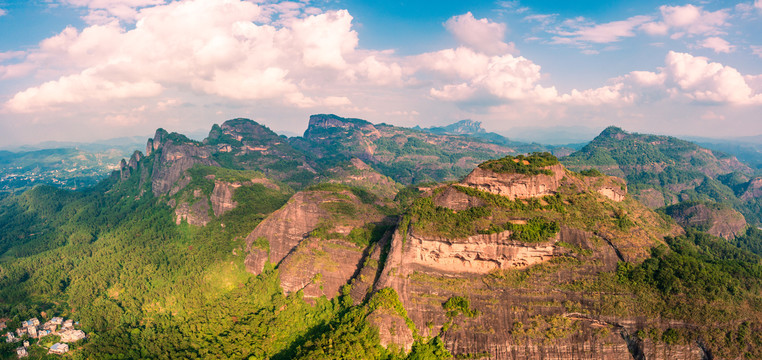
{"points": [[519, 289], [713, 218]]}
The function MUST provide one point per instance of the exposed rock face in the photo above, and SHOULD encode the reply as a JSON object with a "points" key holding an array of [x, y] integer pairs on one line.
{"points": [[613, 193], [320, 267], [425, 283], [754, 190], [712, 218], [516, 185], [478, 254], [392, 329], [285, 229], [222, 197], [324, 121], [196, 214], [456, 200], [172, 162]]}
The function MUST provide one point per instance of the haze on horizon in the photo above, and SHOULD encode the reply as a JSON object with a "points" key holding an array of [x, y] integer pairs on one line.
{"points": [[94, 69]]}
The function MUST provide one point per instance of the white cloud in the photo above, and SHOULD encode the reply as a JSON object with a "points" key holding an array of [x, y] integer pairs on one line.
{"points": [[101, 11], [695, 79], [479, 34], [202, 46], [87, 86], [758, 4], [689, 19], [701, 80], [719, 45], [507, 78], [3, 12], [603, 33]]}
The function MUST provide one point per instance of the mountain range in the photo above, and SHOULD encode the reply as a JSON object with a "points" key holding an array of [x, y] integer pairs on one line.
{"points": [[371, 241]]}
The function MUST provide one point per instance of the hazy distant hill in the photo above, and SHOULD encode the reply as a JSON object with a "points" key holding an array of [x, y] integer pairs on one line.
{"points": [[404, 154], [70, 168], [474, 129]]}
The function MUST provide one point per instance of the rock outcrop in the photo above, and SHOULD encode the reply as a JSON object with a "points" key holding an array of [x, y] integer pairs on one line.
{"points": [[713, 218], [173, 158], [222, 197], [753, 190], [513, 186], [285, 229], [195, 213]]}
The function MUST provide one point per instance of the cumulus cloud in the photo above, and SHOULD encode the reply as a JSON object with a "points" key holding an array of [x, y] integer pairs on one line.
{"points": [[87, 86], [696, 79], [701, 80], [201, 46], [507, 78], [479, 34], [719, 45], [688, 20]]}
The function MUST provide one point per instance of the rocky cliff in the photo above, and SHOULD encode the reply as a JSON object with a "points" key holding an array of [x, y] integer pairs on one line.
{"points": [[517, 285], [513, 185], [712, 218], [174, 155]]}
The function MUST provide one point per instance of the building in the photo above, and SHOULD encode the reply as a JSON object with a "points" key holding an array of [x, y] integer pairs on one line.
{"points": [[68, 324], [21, 352], [32, 330], [9, 337], [56, 320], [26, 343], [59, 348], [70, 335]]}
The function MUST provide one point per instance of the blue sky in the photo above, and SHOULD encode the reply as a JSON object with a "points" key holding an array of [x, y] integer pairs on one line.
{"points": [[93, 69]]}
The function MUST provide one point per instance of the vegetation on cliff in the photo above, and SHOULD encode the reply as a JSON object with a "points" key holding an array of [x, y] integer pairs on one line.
{"points": [[532, 164], [115, 257]]}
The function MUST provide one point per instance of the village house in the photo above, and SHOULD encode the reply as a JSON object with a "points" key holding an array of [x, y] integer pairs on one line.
{"points": [[26, 343], [21, 352], [32, 330], [59, 349], [21, 331], [56, 320], [2, 325], [71, 335], [68, 324], [9, 337]]}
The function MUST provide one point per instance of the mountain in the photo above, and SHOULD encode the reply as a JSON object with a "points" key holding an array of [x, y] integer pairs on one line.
{"points": [[252, 245], [663, 170], [406, 155], [747, 149], [474, 129]]}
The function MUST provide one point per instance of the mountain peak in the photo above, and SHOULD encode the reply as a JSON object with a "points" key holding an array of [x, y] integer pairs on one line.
{"points": [[325, 121], [613, 132]]}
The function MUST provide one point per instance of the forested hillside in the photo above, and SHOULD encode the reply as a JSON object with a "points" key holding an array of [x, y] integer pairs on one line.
{"points": [[252, 245]]}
